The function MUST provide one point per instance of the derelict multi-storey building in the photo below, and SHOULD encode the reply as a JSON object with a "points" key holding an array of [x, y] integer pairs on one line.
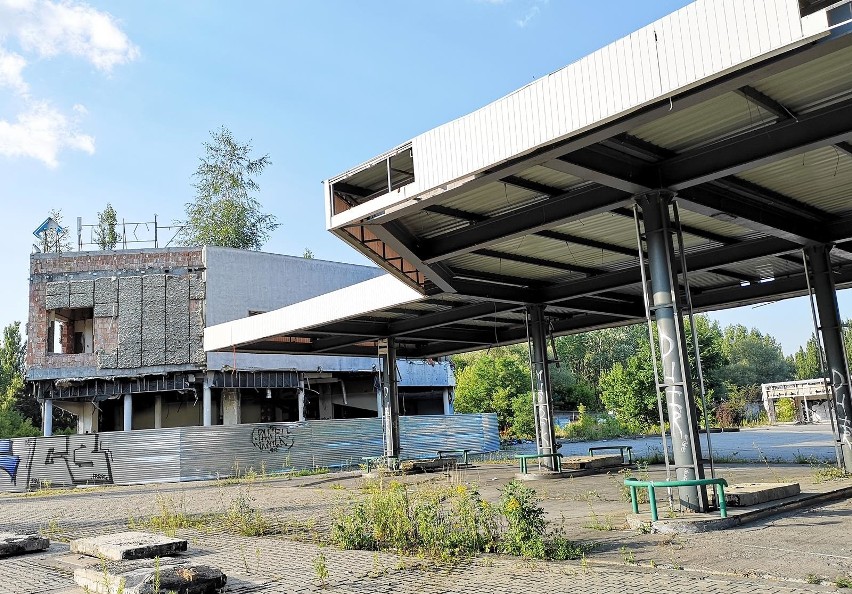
{"points": [[115, 337]]}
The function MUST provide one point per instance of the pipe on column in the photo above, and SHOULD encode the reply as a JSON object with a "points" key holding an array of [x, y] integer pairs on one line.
{"points": [[128, 412], [832, 340], [680, 403], [47, 417]]}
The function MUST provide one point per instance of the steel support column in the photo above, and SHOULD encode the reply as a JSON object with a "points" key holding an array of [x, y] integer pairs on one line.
{"points": [[667, 313], [832, 340], [390, 396], [300, 398], [542, 392]]}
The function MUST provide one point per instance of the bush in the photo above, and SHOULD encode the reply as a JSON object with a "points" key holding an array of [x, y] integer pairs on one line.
{"points": [[785, 410], [440, 522], [525, 522], [597, 426], [450, 522]]}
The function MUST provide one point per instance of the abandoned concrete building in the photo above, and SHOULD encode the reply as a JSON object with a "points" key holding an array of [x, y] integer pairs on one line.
{"points": [[116, 338]]}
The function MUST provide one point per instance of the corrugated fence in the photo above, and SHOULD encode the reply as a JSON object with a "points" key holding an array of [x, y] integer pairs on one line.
{"points": [[198, 453]]}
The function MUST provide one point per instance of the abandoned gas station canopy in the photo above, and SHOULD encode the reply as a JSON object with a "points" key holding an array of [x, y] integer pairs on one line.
{"points": [[737, 111]]}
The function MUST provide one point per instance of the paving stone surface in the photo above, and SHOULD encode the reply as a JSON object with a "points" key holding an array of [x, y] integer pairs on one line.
{"points": [[129, 545], [21, 544], [777, 554]]}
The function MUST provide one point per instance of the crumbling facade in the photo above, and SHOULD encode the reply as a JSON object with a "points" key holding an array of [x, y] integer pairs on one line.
{"points": [[116, 338]]}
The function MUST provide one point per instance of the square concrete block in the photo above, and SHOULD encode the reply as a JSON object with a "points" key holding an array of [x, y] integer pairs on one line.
{"points": [[128, 545], [746, 494], [19, 544], [590, 462], [136, 577]]}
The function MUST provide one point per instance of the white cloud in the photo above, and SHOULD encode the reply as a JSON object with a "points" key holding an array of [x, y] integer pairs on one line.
{"points": [[11, 67], [46, 29], [41, 132], [531, 14]]}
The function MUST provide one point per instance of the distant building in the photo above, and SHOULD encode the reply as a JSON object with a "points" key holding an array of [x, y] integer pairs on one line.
{"points": [[116, 339]]}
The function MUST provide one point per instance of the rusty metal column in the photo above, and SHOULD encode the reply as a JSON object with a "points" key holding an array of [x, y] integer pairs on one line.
{"points": [[680, 402], [542, 392], [390, 395], [832, 340]]}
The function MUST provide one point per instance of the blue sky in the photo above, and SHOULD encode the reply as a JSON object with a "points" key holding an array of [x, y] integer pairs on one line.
{"points": [[111, 101]]}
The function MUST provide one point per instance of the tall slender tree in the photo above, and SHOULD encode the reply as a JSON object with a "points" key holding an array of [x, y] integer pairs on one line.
{"points": [[225, 211]]}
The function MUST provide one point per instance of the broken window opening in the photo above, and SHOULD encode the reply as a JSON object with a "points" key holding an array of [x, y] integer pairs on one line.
{"points": [[71, 331]]}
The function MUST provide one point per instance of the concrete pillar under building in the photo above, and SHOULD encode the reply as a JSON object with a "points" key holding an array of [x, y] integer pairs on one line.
{"points": [[207, 402], [231, 406], [680, 401], [47, 417], [390, 397], [158, 412], [300, 398], [448, 402], [128, 412], [542, 392], [831, 331]]}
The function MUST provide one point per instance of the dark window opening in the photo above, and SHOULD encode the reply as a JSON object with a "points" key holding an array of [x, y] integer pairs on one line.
{"points": [[839, 14]]}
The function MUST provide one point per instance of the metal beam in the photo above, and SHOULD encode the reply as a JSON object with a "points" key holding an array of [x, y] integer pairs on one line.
{"points": [[522, 221], [816, 129], [634, 310], [766, 219], [765, 102], [596, 164], [703, 260], [538, 262]]}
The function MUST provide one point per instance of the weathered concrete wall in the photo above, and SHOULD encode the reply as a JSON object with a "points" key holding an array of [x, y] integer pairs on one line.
{"points": [[239, 281], [147, 306]]}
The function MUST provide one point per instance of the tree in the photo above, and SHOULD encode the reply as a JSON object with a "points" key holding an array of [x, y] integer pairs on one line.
{"points": [[308, 254], [754, 358], [491, 381], [54, 239], [13, 423], [225, 211], [106, 233], [806, 360]]}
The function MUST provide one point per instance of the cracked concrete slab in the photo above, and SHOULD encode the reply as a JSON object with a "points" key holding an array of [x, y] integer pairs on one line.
{"points": [[20, 544], [129, 545]]}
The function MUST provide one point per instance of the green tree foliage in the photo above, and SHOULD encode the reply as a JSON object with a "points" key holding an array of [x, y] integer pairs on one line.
{"points": [[806, 360], [753, 358], [628, 390], [225, 211], [590, 354], [490, 381], [106, 232], [12, 422]]}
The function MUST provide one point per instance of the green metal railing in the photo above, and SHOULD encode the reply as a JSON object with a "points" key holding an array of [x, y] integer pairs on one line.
{"points": [[634, 483], [621, 449], [523, 458]]}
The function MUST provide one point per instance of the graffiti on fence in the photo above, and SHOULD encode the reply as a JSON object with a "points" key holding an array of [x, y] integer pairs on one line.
{"points": [[69, 460], [272, 438], [8, 461]]}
